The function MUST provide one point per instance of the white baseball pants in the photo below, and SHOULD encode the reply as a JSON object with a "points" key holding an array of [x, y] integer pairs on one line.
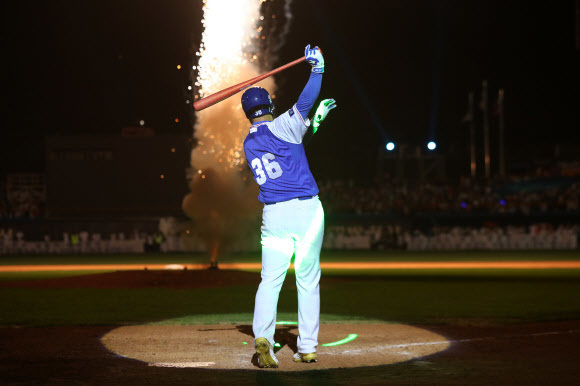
{"points": [[288, 228]]}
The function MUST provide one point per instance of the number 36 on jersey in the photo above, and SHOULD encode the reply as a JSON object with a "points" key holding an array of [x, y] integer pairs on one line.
{"points": [[267, 165]]}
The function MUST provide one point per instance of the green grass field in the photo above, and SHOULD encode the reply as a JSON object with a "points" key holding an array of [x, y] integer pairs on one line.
{"points": [[407, 296]]}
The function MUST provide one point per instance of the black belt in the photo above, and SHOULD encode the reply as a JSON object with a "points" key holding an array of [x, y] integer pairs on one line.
{"points": [[300, 198]]}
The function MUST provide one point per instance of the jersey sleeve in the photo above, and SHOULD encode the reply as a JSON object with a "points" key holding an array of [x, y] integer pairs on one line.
{"points": [[309, 94], [290, 126]]}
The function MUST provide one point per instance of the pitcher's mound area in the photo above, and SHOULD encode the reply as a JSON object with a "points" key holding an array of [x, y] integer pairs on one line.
{"points": [[231, 347]]}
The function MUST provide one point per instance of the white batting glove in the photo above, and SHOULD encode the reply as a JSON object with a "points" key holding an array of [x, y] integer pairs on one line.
{"points": [[314, 58], [321, 112]]}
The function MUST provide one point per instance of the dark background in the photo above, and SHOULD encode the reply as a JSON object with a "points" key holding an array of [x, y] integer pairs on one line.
{"points": [[400, 71]]}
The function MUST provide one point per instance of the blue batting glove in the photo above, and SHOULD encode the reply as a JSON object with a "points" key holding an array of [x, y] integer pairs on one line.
{"points": [[314, 58]]}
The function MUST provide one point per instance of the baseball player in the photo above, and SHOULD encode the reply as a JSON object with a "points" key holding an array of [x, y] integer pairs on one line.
{"points": [[292, 218]]}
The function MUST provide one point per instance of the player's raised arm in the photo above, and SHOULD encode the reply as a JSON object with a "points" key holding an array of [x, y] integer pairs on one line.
{"points": [[312, 89]]}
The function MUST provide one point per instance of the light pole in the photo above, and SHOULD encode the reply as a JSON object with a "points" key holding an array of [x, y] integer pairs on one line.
{"points": [[485, 129], [472, 155], [501, 134]]}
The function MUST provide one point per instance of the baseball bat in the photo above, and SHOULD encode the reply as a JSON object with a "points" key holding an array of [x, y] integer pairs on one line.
{"points": [[228, 92]]}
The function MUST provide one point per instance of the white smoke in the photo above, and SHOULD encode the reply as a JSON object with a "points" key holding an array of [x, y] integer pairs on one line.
{"points": [[286, 27], [223, 194]]}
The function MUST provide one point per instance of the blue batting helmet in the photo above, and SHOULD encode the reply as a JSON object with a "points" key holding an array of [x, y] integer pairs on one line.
{"points": [[257, 102]]}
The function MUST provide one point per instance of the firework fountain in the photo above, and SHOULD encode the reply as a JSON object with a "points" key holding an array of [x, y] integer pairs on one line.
{"points": [[223, 199]]}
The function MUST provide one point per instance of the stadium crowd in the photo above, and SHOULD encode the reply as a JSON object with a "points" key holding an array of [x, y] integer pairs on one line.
{"points": [[21, 203], [338, 237], [15, 242], [517, 195], [494, 196], [536, 236]]}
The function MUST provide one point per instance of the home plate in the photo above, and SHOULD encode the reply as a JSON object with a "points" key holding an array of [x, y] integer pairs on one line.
{"points": [[231, 346]]}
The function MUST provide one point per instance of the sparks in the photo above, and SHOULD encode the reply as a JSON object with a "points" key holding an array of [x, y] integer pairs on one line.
{"points": [[226, 50], [227, 25]]}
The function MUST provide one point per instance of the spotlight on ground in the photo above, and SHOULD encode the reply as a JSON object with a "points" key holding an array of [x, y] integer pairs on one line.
{"points": [[431, 145], [390, 146]]}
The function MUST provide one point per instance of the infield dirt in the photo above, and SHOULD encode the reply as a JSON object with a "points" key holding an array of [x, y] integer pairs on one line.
{"points": [[525, 353]]}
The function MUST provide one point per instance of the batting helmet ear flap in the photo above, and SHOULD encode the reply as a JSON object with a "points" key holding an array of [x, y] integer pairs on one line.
{"points": [[256, 102], [258, 111]]}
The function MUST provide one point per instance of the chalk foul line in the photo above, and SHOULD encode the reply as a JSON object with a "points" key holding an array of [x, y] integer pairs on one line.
{"points": [[467, 340]]}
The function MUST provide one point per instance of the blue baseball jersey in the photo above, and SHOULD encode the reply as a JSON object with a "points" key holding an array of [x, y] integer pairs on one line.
{"points": [[275, 154]]}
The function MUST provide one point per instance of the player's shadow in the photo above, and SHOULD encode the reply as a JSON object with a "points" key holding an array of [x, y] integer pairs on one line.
{"points": [[282, 336]]}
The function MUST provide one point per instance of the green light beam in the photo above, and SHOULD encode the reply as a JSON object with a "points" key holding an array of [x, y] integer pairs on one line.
{"points": [[349, 338]]}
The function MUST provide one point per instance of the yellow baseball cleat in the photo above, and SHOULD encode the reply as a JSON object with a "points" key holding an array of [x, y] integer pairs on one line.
{"points": [[306, 358], [266, 357]]}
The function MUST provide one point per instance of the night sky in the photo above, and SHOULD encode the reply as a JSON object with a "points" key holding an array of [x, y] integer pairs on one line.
{"points": [[399, 70]]}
